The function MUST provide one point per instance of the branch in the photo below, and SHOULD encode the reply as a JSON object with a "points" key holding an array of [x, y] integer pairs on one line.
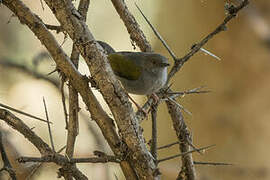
{"points": [[49, 127], [64, 64], [168, 145], [63, 98], [232, 11], [179, 62], [64, 160], [188, 170], [9, 64], [37, 166], [157, 34], [153, 149], [73, 124], [183, 136], [7, 166], [212, 163], [133, 28], [109, 86], [184, 153], [21, 112], [43, 147]]}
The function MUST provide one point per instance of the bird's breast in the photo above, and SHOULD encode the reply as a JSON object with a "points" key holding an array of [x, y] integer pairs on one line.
{"points": [[148, 83]]}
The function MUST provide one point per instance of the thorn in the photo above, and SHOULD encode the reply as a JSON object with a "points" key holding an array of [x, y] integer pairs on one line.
{"points": [[209, 53]]}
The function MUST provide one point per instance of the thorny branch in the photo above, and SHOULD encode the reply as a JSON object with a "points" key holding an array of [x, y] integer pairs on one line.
{"points": [[27, 132], [64, 160], [188, 170], [118, 102], [71, 23], [183, 154], [232, 11]]}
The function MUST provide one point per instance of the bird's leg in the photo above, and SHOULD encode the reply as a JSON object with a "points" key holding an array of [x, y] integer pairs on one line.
{"points": [[137, 105]]}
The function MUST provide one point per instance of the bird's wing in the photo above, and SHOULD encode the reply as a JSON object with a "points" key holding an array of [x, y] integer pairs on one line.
{"points": [[123, 67]]}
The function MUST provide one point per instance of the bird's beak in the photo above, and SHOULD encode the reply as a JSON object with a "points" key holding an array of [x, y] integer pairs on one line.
{"points": [[165, 64]]}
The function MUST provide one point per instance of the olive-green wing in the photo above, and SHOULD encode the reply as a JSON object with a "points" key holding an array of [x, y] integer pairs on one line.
{"points": [[123, 67]]}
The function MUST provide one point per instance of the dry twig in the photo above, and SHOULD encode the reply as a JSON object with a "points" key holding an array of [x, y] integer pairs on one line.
{"points": [[7, 166]]}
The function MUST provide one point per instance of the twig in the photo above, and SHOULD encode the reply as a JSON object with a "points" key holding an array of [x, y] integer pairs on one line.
{"points": [[5, 62], [185, 153], [62, 149], [191, 91], [212, 163], [195, 48], [157, 34], [153, 148], [43, 147], [133, 28], [7, 166], [188, 170], [63, 63], [64, 102], [64, 160], [164, 42], [38, 165], [168, 145], [114, 95], [173, 95], [21, 112], [49, 127], [179, 105], [33, 73]]}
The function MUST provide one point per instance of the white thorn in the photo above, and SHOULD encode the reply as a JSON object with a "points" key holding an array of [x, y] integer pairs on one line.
{"points": [[209, 53]]}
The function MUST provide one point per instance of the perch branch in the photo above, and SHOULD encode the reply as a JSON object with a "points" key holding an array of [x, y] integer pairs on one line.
{"points": [[108, 85], [69, 19]]}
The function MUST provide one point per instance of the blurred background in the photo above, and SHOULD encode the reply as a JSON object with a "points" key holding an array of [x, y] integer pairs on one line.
{"points": [[234, 116]]}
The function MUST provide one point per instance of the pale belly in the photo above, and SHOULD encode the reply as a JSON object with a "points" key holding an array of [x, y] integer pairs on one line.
{"points": [[146, 85]]}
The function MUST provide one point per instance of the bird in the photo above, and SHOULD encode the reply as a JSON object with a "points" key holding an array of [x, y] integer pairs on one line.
{"points": [[141, 73]]}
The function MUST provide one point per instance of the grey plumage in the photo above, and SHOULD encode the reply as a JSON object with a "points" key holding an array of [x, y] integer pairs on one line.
{"points": [[153, 70]]}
